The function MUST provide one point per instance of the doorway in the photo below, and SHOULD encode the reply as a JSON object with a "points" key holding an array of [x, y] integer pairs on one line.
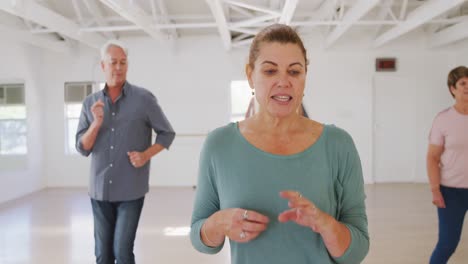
{"points": [[393, 128]]}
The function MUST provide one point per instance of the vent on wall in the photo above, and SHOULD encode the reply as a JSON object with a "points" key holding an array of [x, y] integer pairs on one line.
{"points": [[385, 64]]}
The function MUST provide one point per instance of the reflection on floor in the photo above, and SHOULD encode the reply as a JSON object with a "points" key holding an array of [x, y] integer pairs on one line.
{"points": [[54, 226]]}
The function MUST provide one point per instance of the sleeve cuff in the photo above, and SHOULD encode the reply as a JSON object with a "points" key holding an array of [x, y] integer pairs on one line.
{"points": [[165, 139], [357, 249], [197, 243], [81, 150]]}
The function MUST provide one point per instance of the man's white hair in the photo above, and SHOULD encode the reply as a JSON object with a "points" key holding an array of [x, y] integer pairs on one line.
{"points": [[110, 43]]}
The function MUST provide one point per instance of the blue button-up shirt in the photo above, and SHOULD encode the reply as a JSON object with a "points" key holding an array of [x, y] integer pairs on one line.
{"points": [[127, 126]]}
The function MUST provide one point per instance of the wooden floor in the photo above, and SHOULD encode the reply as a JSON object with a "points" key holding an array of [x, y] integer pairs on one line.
{"points": [[54, 226]]}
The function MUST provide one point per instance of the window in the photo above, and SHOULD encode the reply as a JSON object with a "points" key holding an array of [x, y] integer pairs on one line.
{"points": [[241, 94], [12, 120], [75, 93]]}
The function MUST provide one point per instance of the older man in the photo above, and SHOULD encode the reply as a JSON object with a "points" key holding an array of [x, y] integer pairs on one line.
{"points": [[115, 126]]}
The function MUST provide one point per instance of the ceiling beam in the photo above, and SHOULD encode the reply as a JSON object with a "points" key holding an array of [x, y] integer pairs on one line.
{"points": [[252, 7], [96, 12], [384, 11], [39, 41], [242, 11], [164, 17], [218, 12], [310, 23], [38, 14], [241, 37], [136, 28], [245, 42], [325, 11], [350, 17], [133, 13], [78, 13], [154, 11], [417, 17], [252, 22], [245, 31], [342, 8], [288, 12], [449, 35], [275, 4], [403, 8]]}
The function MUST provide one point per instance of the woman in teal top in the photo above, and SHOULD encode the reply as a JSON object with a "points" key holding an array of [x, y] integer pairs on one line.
{"points": [[281, 187]]}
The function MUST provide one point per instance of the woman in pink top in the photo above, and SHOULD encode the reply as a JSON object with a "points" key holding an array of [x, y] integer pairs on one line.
{"points": [[447, 166]]}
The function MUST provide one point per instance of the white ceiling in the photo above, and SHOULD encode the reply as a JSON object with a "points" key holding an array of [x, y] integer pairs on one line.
{"points": [[58, 24]]}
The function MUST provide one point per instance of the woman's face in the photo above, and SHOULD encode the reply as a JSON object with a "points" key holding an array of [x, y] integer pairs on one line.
{"points": [[278, 78], [461, 90]]}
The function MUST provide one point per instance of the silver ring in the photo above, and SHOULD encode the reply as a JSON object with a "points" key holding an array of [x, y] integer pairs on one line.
{"points": [[242, 235], [245, 215], [300, 194]]}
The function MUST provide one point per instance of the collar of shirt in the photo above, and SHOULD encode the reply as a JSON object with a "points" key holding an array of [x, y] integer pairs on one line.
{"points": [[125, 89]]}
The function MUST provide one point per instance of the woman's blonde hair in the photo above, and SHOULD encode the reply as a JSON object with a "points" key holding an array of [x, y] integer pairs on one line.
{"points": [[275, 33]]}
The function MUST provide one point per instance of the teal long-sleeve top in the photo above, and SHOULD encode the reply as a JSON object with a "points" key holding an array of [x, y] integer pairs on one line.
{"points": [[235, 174]]}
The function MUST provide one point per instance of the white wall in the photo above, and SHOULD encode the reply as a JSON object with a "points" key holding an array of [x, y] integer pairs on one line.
{"points": [[23, 174], [191, 80], [340, 89], [462, 53]]}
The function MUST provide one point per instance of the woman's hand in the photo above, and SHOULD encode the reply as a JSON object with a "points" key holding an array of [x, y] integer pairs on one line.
{"points": [[304, 212], [438, 199], [238, 224], [335, 235]]}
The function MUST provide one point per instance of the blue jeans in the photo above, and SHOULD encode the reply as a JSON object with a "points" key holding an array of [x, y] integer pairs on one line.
{"points": [[115, 226], [450, 223]]}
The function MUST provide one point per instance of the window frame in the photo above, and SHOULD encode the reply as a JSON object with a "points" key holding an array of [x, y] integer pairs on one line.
{"points": [[4, 87], [95, 86], [246, 96]]}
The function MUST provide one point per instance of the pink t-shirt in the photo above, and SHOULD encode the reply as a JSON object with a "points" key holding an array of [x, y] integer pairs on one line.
{"points": [[450, 129]]}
